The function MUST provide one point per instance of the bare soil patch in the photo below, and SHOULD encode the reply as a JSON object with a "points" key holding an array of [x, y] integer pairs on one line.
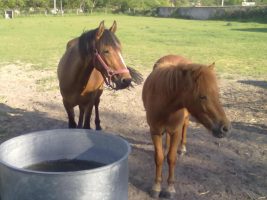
{"points": [[213, 169]]}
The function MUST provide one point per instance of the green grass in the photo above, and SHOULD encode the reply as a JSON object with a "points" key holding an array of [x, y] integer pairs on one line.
{"points": [[236, 47]]}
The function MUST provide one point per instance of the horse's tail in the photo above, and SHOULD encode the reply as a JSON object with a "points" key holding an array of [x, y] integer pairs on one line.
{"points": [[137, 77]]}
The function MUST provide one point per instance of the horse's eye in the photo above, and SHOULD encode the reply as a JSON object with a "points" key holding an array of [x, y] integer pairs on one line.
{"points": [[106, 51], [202, 97]]}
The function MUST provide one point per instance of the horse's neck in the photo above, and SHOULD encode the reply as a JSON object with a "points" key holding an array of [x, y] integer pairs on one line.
{"points": [[85, 71]]}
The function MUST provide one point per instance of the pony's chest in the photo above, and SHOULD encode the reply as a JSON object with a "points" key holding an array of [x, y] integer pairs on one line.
{"points": [[174, 121]]}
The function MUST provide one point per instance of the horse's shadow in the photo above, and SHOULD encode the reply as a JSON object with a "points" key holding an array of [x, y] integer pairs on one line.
{"points": [[257, 83], [16, 121], [255, 30], [249, 127]]}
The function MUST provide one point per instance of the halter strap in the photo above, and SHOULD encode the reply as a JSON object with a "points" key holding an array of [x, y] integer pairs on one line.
{"points": [[109, 71]]}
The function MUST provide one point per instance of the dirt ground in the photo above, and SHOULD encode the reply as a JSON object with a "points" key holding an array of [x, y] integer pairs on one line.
{"points": [[212, 169]]}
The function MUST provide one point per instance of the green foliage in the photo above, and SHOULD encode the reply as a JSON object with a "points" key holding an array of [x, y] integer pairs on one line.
{"points": [[125, 6], [120, 5], [232, 2], [258, 14]]}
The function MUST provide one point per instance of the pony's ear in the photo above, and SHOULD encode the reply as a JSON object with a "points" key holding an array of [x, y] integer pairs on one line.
{"points": [[100, 30], [212, 66], [113, 28]]}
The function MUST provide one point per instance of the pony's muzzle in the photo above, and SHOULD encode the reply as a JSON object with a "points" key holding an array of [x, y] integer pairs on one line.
{"points": [[223, 130]]}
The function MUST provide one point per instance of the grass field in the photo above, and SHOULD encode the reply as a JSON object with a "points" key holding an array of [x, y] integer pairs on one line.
{"points": [[237, 48]]}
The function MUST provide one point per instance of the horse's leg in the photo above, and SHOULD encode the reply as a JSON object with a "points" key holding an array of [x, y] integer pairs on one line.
{"points": [[182, 148], [70, 112], [88, 114], [97, 119], [81, 116], [167, 144], [159, 158], [175, 141]]}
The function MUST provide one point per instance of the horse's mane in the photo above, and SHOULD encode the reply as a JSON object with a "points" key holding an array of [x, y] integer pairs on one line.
{"points": [[88, 43], [174, 79]]}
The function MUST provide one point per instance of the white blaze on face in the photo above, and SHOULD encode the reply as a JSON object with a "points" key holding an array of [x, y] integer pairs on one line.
{"points": [[122, 60]]}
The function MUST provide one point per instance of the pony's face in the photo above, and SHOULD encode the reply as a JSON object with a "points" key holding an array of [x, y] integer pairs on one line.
{"points": [[113, 66], [206, 107]]}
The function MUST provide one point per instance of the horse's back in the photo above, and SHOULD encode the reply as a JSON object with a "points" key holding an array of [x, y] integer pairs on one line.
{"points": [[171, 60], [156, 78]]}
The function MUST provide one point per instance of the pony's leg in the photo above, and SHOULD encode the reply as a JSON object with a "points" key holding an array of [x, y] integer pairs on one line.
{"points": [[167, 144], [175, 141], [182, 148], [81, 116], [159, 158], [88, 116], [97, 118], [70, 112]]}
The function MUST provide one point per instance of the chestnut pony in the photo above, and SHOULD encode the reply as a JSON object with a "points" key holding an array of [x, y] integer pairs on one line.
{"points": [[175, 87], [88, 62]]}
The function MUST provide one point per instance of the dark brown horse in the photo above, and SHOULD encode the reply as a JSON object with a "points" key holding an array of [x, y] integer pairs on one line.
{"points": [[175, 87], [91, 60]]}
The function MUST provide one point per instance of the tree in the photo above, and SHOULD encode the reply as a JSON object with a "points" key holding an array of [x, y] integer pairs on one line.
{"points": [[92, 4], [37, 3]]}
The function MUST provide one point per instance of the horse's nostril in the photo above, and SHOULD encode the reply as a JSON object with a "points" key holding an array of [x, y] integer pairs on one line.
{"points": [[126, 81], [225, 129]]}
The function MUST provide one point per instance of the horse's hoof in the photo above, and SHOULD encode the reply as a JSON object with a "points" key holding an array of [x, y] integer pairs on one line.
{"points": [[72, 125], [154, 194], [98, 128], [182, 151], [169, 192], [168, 195], [156, 190]]}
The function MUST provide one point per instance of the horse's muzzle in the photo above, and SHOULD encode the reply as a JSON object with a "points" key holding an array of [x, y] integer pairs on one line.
{"points": [[222, 131], [123, 83]]}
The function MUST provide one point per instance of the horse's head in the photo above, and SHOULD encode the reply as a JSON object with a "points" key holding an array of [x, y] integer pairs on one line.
{"points": [[206, 106], [108, 58]]}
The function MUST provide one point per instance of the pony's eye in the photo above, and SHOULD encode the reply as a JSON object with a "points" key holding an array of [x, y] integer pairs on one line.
{"points": [[203, 97], [106, 51]]}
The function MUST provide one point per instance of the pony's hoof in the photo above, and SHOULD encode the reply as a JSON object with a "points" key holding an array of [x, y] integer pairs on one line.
{"points": [[168, 195], [156, 190], [98, 128], [154, 194], [182, 151]]}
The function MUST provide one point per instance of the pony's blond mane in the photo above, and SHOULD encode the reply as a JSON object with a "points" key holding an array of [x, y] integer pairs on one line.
{"points": [[172, 79]]}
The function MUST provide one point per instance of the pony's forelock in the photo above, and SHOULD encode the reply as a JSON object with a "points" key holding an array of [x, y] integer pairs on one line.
{"points": [[205, 82]]}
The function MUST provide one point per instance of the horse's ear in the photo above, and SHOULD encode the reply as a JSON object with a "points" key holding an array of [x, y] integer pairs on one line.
{"points": [[212, 66], [100, 30], [113, 28]]}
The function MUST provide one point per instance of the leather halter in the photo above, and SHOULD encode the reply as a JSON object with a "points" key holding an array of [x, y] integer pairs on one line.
{"points": [[110, 72]]}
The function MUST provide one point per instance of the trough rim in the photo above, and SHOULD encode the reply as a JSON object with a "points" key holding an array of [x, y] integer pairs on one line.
{"points": [[70, 173]]}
